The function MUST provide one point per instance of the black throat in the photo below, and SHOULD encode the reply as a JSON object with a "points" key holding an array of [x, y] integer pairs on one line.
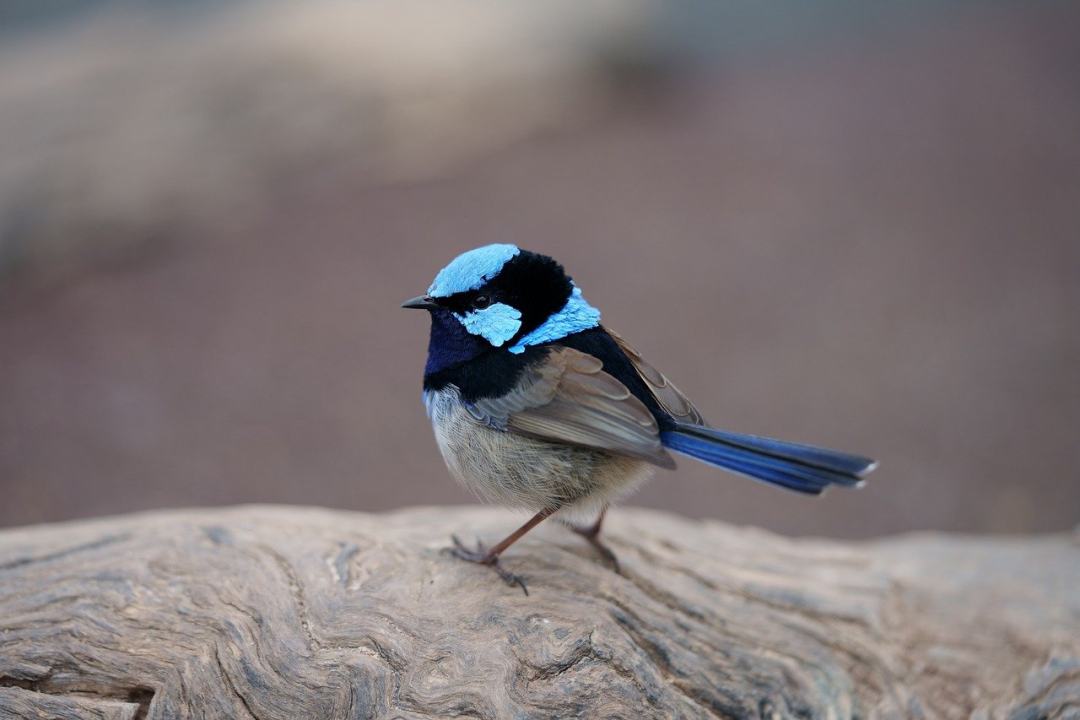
{"points": [[478, 370], [534, 284]]}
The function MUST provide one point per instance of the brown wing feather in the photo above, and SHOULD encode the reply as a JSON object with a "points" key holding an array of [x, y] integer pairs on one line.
{"points": [[665, 392], [569, 398]]}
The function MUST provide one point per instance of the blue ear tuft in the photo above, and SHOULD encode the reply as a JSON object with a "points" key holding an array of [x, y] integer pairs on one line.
{"points": [[576, 315], [472, 269], [496, 323]]}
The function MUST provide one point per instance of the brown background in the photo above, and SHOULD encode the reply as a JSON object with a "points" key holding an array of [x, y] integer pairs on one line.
{"points": [[864, 237]]}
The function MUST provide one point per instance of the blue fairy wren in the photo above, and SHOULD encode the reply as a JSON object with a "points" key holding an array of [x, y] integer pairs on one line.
{"points": [[536, 405]]}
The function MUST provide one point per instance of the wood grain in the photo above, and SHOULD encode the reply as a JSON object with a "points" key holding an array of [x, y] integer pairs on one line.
{"points": [[283, 613]]}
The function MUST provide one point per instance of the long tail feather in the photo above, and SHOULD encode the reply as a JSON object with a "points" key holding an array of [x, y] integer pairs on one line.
{"points": [[803, 468]]}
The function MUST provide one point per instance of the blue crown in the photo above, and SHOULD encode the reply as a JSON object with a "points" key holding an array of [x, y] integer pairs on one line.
{"points": [[470, 270]]}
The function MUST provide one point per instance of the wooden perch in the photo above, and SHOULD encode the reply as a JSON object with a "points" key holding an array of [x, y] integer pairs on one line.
{"points": [[286, 613]]}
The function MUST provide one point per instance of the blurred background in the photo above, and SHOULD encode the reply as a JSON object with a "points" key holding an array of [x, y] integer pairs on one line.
{"points": [[846, 223]]}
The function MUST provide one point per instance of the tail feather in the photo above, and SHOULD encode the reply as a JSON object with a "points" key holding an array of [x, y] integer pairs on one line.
{"points": [[803, 468]]}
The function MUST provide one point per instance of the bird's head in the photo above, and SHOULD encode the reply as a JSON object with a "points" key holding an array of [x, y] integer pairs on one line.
{"points": [[501, 297]]}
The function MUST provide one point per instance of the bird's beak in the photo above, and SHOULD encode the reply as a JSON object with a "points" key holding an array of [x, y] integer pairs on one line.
{"points": [[422, 302]]}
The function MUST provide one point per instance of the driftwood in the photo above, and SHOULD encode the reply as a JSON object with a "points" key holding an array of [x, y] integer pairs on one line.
{"points": [[283, 613]]}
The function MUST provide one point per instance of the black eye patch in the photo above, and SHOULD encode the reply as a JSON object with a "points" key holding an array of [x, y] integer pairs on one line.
{"points": [[462, 303]]}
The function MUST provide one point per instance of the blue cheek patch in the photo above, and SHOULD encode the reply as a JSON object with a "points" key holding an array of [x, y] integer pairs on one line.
{"points": [[496, 323], [576, 315], [472, 269]]}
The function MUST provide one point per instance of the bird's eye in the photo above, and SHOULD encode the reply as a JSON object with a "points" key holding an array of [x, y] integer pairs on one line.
{"points": [[481, 302]]}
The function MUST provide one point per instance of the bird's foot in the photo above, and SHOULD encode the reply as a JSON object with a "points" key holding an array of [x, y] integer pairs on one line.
{"points": [[592, 534], [482, 556]]}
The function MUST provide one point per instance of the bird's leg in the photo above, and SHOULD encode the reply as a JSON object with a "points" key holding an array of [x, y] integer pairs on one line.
{"points": [[490, 557], [592, 534]]}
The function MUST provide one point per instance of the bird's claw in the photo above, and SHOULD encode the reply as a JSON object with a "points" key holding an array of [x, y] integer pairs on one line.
{"points": [[510, 578], [481, 556], [605, 552]]}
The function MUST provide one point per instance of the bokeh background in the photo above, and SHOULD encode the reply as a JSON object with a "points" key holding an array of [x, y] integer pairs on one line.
{"points": [[846, 223]]}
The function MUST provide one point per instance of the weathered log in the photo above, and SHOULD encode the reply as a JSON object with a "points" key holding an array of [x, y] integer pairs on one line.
{"points": [[284, 613]]}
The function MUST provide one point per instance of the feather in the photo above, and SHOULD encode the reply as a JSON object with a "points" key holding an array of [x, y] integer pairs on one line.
{"points": [[677, 405], [804, 468], [496, 323], [471, 269], [567, 397], [536, 365], [576, 315]]}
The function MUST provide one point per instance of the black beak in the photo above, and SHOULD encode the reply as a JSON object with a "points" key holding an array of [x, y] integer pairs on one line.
{"points": [[423, 302]]}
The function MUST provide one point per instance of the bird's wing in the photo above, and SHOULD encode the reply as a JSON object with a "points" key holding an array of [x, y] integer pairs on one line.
{"points": [[667, 395], [567, 397]]}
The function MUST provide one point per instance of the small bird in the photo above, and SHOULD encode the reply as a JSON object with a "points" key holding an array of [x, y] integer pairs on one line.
{"points": [[536, 405]]}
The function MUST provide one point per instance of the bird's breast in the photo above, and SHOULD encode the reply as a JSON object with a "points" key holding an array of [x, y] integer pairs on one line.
{"points": [[518, 471]]}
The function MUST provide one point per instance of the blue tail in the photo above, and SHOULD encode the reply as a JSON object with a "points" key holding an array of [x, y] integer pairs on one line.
{"points": [[798, 467]]}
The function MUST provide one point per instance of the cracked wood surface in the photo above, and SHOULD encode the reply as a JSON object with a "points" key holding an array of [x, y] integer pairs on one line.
{"points": [[283, 613]]}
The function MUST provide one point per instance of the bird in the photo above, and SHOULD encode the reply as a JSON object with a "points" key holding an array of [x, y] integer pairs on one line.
{"points": [[536, 405]]}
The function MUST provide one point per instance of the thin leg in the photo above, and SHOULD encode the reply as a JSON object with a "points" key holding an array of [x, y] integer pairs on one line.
{"points": [[592, 534], [592, 531], [490, 557]]}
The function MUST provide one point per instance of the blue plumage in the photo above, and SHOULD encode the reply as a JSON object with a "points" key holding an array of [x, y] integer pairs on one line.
{"points": [[469, 270], [534, 403], [496, 323], [575, 316], [804, 468], [451, 345]]}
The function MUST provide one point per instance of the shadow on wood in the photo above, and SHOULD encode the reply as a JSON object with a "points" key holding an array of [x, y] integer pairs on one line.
{"points": [[282, 613]]}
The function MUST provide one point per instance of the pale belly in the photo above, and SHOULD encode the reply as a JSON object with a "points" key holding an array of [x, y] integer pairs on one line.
{"points": [[517, 471]]}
